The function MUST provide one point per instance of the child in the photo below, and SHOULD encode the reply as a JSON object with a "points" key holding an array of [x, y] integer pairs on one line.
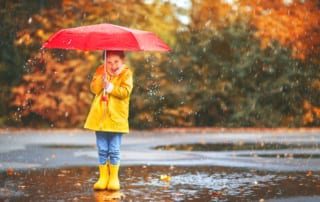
{"points": [[108, 116]]}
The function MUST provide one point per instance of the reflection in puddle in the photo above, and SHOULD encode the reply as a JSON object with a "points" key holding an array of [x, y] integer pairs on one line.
{"points": [[235, 147], [144, 183], [100, 196]]}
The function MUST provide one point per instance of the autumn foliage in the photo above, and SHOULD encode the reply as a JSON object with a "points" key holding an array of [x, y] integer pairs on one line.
{"points": [[295, 24], [241, 64], [56, 92]]}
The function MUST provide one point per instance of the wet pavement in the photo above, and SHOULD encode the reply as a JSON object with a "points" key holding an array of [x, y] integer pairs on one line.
{"points": [[61, 166], [274, 151]]}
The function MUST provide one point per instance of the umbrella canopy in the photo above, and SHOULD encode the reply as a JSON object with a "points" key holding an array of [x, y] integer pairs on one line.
{"points": [[105, 37]]}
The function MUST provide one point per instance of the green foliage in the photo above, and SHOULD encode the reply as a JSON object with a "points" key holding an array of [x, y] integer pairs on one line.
{"points": [[225, 79], [232, 82]]}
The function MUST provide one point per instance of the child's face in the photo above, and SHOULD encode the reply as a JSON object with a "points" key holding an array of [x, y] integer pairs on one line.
{"points": [[114, 62]]}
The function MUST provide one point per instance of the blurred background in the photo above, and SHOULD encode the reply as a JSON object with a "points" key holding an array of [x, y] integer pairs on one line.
{"points": [[234, 63]]}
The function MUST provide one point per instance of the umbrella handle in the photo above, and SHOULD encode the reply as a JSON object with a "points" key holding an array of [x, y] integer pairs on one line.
{"points": [[105, 72], [104, 87]]}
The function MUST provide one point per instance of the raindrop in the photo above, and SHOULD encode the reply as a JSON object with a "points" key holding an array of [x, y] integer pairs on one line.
{"points": [[207, 23], [287, 2], [30, 20]]}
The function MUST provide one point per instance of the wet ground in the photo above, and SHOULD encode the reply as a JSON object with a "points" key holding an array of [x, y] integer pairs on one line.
{"points": [[61, 166], [143, 183]]}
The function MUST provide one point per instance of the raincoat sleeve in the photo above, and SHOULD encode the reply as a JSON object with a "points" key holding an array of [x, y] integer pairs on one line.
{"points": [[123, 90], [96, 84]]}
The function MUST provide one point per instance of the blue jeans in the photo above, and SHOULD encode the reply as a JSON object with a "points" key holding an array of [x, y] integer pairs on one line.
{"points": [[108, 144]]}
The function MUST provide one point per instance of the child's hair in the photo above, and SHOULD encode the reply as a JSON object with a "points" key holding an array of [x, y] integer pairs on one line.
{"points": [[112, 52]]}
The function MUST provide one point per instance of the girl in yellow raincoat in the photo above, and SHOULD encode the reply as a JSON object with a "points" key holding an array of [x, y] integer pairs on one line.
{"points": [[108, 116]]}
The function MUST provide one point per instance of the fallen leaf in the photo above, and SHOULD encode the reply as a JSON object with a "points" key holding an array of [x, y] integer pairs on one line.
{"points": [[165, 178], [78, 184], [10, 171], [216, 194], [22, 186]]}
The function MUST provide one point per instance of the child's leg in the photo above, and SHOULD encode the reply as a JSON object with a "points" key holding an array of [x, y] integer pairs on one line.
{"points": [[114, 148], [114, 154], [103, 146]]}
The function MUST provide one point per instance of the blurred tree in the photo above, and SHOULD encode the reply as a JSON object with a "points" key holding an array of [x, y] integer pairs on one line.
{"points": [[293, 23], [55, 92], [14, 15], [246, 63], [231, 81], [56, 97]]}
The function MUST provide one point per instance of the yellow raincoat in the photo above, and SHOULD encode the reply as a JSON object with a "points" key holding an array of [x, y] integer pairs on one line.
{"points": [[111, 116]]}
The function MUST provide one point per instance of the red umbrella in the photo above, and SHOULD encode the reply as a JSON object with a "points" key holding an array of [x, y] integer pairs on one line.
{"points": [[105, 37]]}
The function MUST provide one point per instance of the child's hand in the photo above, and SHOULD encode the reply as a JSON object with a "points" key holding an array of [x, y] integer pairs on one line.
{"points": [[105, 81], [108, 86]]}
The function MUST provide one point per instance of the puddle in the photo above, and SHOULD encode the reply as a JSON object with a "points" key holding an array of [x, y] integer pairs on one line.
{"points": [[146, 183], [65, 146], [286, 155], [235, 147]]}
